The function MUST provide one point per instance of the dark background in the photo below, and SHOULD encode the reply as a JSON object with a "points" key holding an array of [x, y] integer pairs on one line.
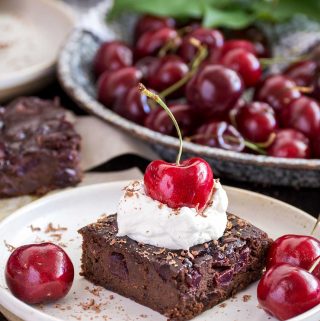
{"points": [[307, 199]]}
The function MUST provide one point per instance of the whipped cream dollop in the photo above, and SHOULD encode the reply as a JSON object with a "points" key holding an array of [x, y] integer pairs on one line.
{"points": [[149, 221]]}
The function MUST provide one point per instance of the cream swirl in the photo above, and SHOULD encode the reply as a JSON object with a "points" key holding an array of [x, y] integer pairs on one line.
{"points": [[148, 221]]}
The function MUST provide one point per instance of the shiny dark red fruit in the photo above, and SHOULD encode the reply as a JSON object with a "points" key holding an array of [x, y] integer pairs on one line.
{"points": [[219, 134], [302, 114], [113, 85], [316, 271], [278, 91], [146, 66], [133, 106], [188, 184], [152, 23], [289, 143], [245, 64], [158, 120], [112, 56], [151, 42], [167, 71], [286, 291], [39, 273], [212, 39], [214, 90], [256, 121], [237, 44], [315, 143], [297, 250], [302, 72]]}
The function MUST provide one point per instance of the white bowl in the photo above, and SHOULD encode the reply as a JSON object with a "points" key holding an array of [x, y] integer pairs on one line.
{"points": [[55, 20]]}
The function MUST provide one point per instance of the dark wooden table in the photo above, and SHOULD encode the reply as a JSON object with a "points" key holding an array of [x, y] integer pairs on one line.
{"points": [[307, 199]]}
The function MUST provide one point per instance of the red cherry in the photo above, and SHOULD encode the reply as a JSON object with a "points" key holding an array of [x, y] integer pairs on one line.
{"points": [[146, 66], [302, 72], [219, 134], [158, 120], [316, 145], [151, 42], [112, 56], [316, 271], [302, 114], [297, 250], [278, 91], [39, 273], [236, 44], [113, 85], [255, 121], [214, 90], [245, 64], [167, 71], [152, 23], [211, 38], [286, 291], [133, 106], [188, 184]]}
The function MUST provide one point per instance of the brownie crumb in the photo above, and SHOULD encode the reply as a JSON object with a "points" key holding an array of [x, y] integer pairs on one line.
{"points": [[246, 298], [51, 229], [222, 305], [9, 247], [35, 229], [56, 236], [111, 296]]}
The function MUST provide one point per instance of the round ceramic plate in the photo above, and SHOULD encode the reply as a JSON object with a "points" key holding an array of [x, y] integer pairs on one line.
{"points": [[59, 21], [75, 208], [75, 74]]}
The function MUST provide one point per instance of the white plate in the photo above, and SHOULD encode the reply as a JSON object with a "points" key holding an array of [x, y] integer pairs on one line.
{"points": [[78, 207], [55, 20]]}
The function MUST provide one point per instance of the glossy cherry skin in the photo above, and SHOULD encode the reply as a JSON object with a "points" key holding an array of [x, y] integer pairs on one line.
{"points": [[256, 121], [211, 38], [133, 106], [237, 44], [219, 134], [166, 72], [302, 72], [146, 66], [113, 85], [245, 64], [152, 41], [214, 90], [112, 56], [158, 120], [188, 184], [278, 91], [302, 114], [290, 143], [297, 250], [152, 23], [39, 273], [286, 291]]}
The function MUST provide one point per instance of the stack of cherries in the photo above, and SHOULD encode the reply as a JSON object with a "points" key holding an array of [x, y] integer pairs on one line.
{"points": [[202, 74]]}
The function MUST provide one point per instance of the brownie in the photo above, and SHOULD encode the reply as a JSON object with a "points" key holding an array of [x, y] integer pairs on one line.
{"points": [[39, 148], [179, 284]]}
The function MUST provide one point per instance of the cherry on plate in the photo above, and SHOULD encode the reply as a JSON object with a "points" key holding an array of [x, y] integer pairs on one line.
{"points": [[39, 273], [112, 56], [286, 291], [302, 114], [219, 134], [256, 121], [236, 44], [214, 90], [187, 184], [245, 64], [302, 72], [113, 85], [296, 250], [290, 143]]}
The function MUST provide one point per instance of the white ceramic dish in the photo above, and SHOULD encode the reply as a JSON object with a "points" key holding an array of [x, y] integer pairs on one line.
{"points": [[54, 20], [78, 207]]}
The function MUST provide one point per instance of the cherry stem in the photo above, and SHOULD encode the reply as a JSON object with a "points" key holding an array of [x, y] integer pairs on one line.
{"points": [[170, 44], [199, 58], [314, 265], [316, 225], [304, 89], [267, 143], [158, 100]]}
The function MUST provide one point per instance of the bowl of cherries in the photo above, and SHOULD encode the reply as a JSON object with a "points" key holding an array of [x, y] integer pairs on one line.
{"points": [[248, 123]]}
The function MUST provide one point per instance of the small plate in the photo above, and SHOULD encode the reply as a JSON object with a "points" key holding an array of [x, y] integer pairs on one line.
{"points": [[53, 20], [75, 208]]}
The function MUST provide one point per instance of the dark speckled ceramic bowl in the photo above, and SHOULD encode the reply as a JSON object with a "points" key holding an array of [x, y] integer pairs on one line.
{"points": [[74, 71]]}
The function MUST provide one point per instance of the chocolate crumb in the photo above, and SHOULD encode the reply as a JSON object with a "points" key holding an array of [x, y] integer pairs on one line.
{"points": [[35, 229], [51, 229], [222, 305], [246, 298], [111, 296], [9, 247], [56, 236]]}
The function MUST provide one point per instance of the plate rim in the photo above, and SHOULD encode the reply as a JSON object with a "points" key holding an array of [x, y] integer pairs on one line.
{"points": [[27, 312]]}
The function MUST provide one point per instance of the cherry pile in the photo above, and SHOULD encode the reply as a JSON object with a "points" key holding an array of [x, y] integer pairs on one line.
{"points": [[203, 75], [291, 284]]}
